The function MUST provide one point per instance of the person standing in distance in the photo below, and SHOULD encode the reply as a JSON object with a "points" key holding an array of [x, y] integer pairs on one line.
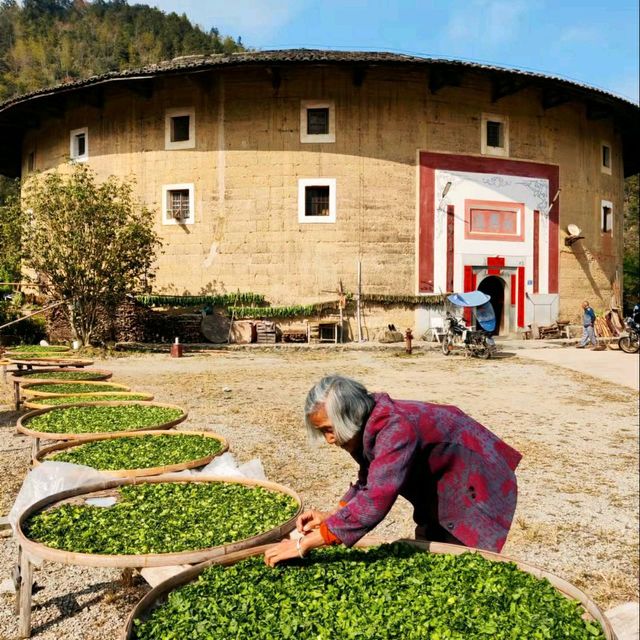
{"points": [[588, 320]]}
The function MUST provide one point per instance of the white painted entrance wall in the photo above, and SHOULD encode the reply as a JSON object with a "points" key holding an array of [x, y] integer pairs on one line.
{"points": [[533, 192]]}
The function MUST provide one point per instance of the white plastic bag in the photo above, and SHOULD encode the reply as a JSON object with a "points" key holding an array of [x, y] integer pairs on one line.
{"points": [[49, 478], [226, 465]]}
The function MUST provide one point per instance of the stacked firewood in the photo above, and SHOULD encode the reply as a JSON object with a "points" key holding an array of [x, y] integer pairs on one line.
{"points": [[164, 327], [602, 329], [265, 332], [128, 323]]}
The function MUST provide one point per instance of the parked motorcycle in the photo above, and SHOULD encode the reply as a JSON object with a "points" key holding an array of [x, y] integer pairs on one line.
{"points": [[477, 343], [631, 342]]}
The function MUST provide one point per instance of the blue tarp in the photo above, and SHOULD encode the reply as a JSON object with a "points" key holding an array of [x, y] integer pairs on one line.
{"points": [[469, 299], [482, 307]]}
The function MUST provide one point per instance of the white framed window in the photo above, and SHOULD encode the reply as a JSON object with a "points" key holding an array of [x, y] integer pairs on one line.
{"points": [[180, 128], [606, 216], [79, 144], [317, 200], [317, 121], [178, 204], [605, 158], [494, 135]]}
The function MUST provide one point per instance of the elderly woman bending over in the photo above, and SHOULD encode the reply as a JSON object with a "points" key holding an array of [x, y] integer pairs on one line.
{"points": [[458, 476]]}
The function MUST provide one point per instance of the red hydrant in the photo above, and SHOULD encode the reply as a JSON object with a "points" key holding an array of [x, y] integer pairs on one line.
{"points": [[176, 349], [408, 337]]}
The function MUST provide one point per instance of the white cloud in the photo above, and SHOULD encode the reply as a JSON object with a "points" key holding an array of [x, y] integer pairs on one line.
{"points": [[488, 22]]}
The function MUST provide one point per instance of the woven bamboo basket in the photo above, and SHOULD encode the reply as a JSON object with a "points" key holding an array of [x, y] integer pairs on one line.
{"points": [[32, 389], [28, 375], [126, 396], [44, 454], [50, 362], [158, 594], [23, 421], [49, 351], [109, 488]]}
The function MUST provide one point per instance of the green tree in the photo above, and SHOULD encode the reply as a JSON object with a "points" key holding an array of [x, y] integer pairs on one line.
{"points": [[87, 243], [631, 259], [9, 232], [44, 42]]}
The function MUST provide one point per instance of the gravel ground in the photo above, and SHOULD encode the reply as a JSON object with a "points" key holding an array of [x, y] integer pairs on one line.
{"points": [[577, 513]]}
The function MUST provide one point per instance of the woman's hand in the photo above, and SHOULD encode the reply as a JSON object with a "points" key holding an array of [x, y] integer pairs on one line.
{"points": [[285, 550], [290, 549], [311, 520]]}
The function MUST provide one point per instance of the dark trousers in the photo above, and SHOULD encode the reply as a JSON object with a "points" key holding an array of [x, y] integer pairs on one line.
{"points": [[435, 533]]}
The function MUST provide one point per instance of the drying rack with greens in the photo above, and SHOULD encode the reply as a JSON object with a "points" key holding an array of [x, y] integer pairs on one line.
{"points": [[144, 454], [70, 387], [86, 420], [152, 525], [392, 591], [157, 521], [60, 375], [56, 401]]}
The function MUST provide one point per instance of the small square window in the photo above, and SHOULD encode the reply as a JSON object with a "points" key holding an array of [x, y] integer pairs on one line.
{"points": [[79, 144], [177, 204], [605, 159], [317, 200], [494, 135], [317, 121], [179, 129], [606, 217]]}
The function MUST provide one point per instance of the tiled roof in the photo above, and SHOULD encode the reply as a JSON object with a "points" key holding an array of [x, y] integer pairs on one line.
{"points": [[313, 57]]}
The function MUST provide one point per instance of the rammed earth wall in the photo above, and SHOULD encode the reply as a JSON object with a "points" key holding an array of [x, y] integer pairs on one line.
{"points": [[248, 158]]}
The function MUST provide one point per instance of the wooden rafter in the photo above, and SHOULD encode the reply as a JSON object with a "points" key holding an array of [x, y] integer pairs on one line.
{"points": [[440, 77], [503, 86], [358, 76], [554, 98]]}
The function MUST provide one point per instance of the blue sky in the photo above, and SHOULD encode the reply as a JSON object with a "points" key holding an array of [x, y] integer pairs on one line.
{"points": [[591, 42]]}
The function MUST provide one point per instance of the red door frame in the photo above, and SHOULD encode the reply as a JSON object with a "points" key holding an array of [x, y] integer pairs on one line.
{"points": [[430, 162]]}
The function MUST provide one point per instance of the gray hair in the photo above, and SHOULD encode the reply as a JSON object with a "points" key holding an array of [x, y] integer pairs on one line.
{"points": [[347, 403]]}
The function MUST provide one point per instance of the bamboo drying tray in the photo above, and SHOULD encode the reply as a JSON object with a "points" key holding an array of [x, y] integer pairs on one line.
{"points": [[43, 454], [51, 350], [146, 397], [51, 362], [27, 375], [109, 488], [23, 421], [31, 389], [159, 593]]}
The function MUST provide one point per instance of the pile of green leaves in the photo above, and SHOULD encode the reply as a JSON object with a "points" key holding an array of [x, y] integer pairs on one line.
{"points": [[102, 419], [71, 388], [87, 397], [140, 452], [163, 518], [39, 349], [63, 375], [214, 300], [392, 592]]}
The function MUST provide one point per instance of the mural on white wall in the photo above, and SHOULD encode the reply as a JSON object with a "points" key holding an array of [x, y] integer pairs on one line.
{"points": [[457, 188]]}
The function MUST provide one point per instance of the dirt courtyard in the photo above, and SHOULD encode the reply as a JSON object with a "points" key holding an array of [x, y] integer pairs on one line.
{"points": [[577, 513]]}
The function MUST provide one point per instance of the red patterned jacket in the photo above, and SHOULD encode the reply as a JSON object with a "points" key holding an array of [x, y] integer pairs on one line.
{"points": [[446, 464]]}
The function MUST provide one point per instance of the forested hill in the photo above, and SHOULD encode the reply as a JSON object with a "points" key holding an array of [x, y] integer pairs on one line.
{"points": [[45, 42]]}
